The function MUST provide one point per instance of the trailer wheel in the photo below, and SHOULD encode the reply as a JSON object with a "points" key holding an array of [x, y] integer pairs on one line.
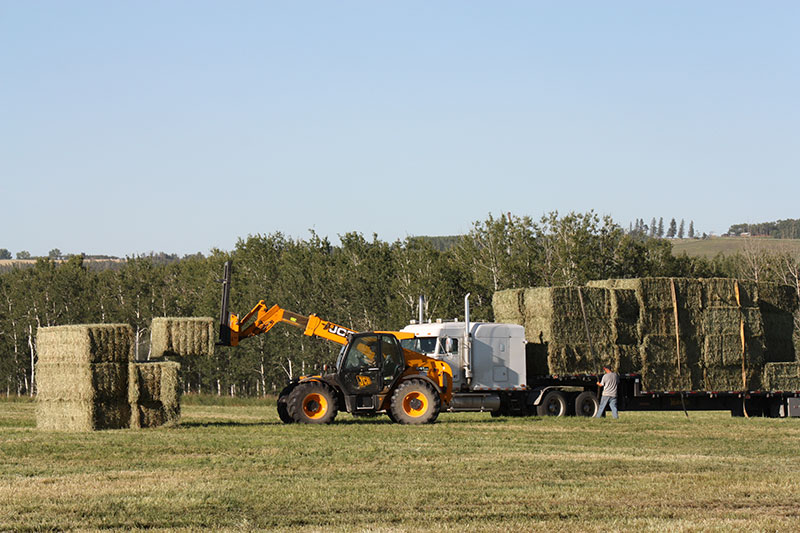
{"points": [[312, 403], [553, 404], [415, 402], [283, 409], [586, 404]]}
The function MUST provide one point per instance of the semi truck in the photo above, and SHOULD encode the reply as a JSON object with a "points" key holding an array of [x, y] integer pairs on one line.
{"points": [[494, 370]]}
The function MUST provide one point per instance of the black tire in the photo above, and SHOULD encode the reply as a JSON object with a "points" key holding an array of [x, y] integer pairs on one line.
{"points": [[586, 404], [283, 409], [553, 404], [312, 402], [415, 402]]}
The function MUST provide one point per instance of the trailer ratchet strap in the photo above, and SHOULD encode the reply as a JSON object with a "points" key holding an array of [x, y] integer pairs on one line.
{"points": [[744, 344]]}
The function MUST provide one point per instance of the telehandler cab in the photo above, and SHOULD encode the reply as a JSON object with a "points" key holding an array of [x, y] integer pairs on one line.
{"points": [[373, 372]]}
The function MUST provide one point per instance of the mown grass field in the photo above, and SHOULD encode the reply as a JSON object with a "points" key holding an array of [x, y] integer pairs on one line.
{"points": [[235, 467], [730, 245]]}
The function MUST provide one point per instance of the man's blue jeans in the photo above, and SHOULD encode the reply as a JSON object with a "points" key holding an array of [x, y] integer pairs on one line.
{"points": [[604, 401]]}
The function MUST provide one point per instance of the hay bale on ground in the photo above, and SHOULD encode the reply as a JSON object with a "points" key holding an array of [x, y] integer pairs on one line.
{"points": [[82, 377], [154, 394], [782, 376], [181, 337]]}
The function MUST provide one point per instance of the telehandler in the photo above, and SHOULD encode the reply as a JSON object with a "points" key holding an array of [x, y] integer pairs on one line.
{"points": [[373, 372]]}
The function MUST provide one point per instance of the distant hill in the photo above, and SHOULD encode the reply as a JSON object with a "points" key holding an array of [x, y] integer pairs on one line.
{"points": [[730, 245]]}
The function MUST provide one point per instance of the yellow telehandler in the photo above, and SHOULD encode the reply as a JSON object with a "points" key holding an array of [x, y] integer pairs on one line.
{"points": [[373, 372]]}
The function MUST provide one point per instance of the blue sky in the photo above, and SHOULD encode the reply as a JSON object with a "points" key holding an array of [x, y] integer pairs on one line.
{"points": [[127, 127]]}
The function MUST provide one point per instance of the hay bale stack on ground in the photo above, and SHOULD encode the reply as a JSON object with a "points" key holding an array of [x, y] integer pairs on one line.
{"points": [[181, 337], [782, 376], [154, 394], [779, 308], [82, 377]]}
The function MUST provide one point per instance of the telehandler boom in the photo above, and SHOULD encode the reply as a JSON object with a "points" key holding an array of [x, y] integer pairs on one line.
{"points": [[373, 372]]}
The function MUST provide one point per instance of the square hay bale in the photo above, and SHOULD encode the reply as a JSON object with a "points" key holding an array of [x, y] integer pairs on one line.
{"points": [[727, 321], [782, 376], [721, 292], [154, 394], [726, 350], [774, 297], [578, 359], [82, 382], [182, 337], [660, 363], [87, 343], [729, 378], [553, 314], [81, 415], [507, 306], [779, 328]]}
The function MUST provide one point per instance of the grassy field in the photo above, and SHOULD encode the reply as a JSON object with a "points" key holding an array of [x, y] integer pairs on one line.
{"points": [[730, 245], [235, 467]]}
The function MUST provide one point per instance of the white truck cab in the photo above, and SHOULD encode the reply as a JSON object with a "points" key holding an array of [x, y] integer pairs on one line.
{"points": [[493, 358]]}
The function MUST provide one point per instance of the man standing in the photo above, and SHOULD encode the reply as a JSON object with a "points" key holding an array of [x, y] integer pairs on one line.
{"points": [[609, 383]]}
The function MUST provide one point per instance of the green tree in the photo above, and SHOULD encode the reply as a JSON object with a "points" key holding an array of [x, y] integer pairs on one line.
{"points": [[673, 229], [660, 228], [23, 254], [681, 230], [691, 229], [5, 254]]}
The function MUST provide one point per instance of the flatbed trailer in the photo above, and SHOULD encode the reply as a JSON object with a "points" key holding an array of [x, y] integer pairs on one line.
{"points": [[577, 395]]}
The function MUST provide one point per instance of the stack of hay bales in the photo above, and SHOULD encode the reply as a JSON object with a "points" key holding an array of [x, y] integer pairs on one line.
{"points": [[733, 336], [154, 394], [181, 337], [82, 377], [726, 331], [661, 352], [553, 315]]}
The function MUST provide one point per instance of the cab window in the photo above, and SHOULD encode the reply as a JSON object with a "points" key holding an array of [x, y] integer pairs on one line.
{"points": [[363, 353]]}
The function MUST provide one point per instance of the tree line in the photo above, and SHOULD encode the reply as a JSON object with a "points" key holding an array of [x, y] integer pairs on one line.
{"points": [[657, 230], [782, 229], [362, 283]]}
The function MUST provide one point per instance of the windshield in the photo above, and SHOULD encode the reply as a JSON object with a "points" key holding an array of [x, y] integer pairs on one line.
{"points": [[420, 344]]}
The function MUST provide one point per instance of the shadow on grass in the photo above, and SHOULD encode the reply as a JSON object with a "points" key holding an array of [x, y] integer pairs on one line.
{"points": [[227, 423]]}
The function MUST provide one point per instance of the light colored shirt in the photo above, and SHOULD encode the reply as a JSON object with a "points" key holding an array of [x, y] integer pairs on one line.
{"points": [[610, 382]]}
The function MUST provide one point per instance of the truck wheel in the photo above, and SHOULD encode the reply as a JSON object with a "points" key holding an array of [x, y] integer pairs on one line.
{"points": [[586, 404], [312, 403], [553, 404], [283, 409], [415, 402]]}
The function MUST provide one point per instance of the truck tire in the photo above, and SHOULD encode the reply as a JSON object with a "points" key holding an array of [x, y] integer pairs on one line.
{"points": [[586, 404], [415, 402], [554, 403], [283, 409], [312, 402]]}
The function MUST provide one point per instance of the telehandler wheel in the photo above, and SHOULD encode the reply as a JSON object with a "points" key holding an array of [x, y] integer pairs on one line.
{"points": [[312, 403], [586, 404], [415, 402], [553, 404], [283, 409]]}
